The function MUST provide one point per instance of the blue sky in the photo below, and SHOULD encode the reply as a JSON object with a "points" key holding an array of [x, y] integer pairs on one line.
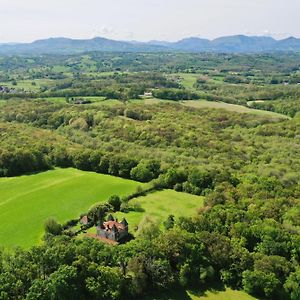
{"points": [[27, 20]]}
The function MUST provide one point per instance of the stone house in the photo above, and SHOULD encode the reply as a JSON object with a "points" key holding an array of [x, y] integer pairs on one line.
{"points": [[112, 229]]}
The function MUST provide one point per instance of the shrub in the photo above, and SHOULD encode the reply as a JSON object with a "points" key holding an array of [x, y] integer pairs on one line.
{"points": [[51, 226]]}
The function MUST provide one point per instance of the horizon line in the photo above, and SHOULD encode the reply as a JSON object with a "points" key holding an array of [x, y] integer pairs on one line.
{"points": [[148, 41]]}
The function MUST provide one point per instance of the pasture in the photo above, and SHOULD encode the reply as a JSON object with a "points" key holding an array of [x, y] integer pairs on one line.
{"points": [[29, 85], [27, 201], [159, 205]]}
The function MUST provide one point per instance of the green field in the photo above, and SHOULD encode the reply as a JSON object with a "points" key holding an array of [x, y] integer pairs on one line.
{"points": [[231, 107], [93, 99], [26, 201], [215, 105], [188, 79], [28, 86], [229, 294], [159, 205]]}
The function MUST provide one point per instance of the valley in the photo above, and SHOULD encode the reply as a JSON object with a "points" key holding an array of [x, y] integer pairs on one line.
{"points": [[147, 175]]}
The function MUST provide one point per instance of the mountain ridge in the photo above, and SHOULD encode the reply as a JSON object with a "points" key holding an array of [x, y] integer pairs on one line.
{"points": [[225, 44]]}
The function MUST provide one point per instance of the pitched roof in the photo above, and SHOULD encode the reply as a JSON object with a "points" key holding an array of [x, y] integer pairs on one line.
{"points": [[124, 222], [110, 224]]}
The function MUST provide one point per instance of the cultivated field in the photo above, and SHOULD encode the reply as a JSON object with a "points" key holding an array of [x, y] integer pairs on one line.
{"points": [[26, 201]]}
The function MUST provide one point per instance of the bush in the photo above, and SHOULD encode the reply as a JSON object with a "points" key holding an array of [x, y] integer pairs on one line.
{"points": [[51, 226]]}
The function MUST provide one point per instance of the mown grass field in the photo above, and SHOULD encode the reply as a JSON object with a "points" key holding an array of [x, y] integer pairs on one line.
{"points": [[159, 205], [27, 201]]}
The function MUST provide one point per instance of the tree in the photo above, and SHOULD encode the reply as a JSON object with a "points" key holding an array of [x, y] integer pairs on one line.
{"points": [[141, 173], [115, 202], [169, 223], [260, 283], [105, 283], [148, 228], [60, 285], [51, 226], [292, 285], [98, 212], [140, 278], [174, 176], [200, 178], [146, 170]]}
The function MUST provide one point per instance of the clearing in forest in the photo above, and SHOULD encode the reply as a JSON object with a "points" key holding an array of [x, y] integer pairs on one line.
{"points": [[159, 205]]}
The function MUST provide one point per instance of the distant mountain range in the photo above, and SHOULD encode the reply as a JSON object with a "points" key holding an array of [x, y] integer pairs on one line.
{"points": [[228, 44]]}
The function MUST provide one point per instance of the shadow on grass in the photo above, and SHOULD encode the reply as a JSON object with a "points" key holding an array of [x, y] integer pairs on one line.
{"points": [[215, 289], [178, 294], [182, 294]]}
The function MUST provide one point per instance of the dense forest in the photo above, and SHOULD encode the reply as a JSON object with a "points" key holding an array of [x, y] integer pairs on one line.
{"points": [[128, 115]]}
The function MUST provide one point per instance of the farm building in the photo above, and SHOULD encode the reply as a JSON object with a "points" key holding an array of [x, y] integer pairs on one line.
{"points": [[84, 220], [148, 94]]}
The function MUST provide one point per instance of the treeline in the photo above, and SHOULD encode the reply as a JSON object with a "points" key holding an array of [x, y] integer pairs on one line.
{"points": [[195, 180], [242, 92], [175, 94], [286, 107], [22, 161], [39, 66], [121, 86]]}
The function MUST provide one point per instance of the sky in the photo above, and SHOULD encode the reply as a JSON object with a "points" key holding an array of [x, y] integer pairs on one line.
{"points": [[144, 20]]}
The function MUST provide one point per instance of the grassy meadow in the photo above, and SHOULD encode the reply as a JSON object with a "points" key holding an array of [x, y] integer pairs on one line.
{"points": [[159, 205], [27, 85], [231, 107], [27, 201], [228, 294]]}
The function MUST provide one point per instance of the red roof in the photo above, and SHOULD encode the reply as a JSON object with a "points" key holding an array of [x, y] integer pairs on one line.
{"points": [[111, 224]]}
